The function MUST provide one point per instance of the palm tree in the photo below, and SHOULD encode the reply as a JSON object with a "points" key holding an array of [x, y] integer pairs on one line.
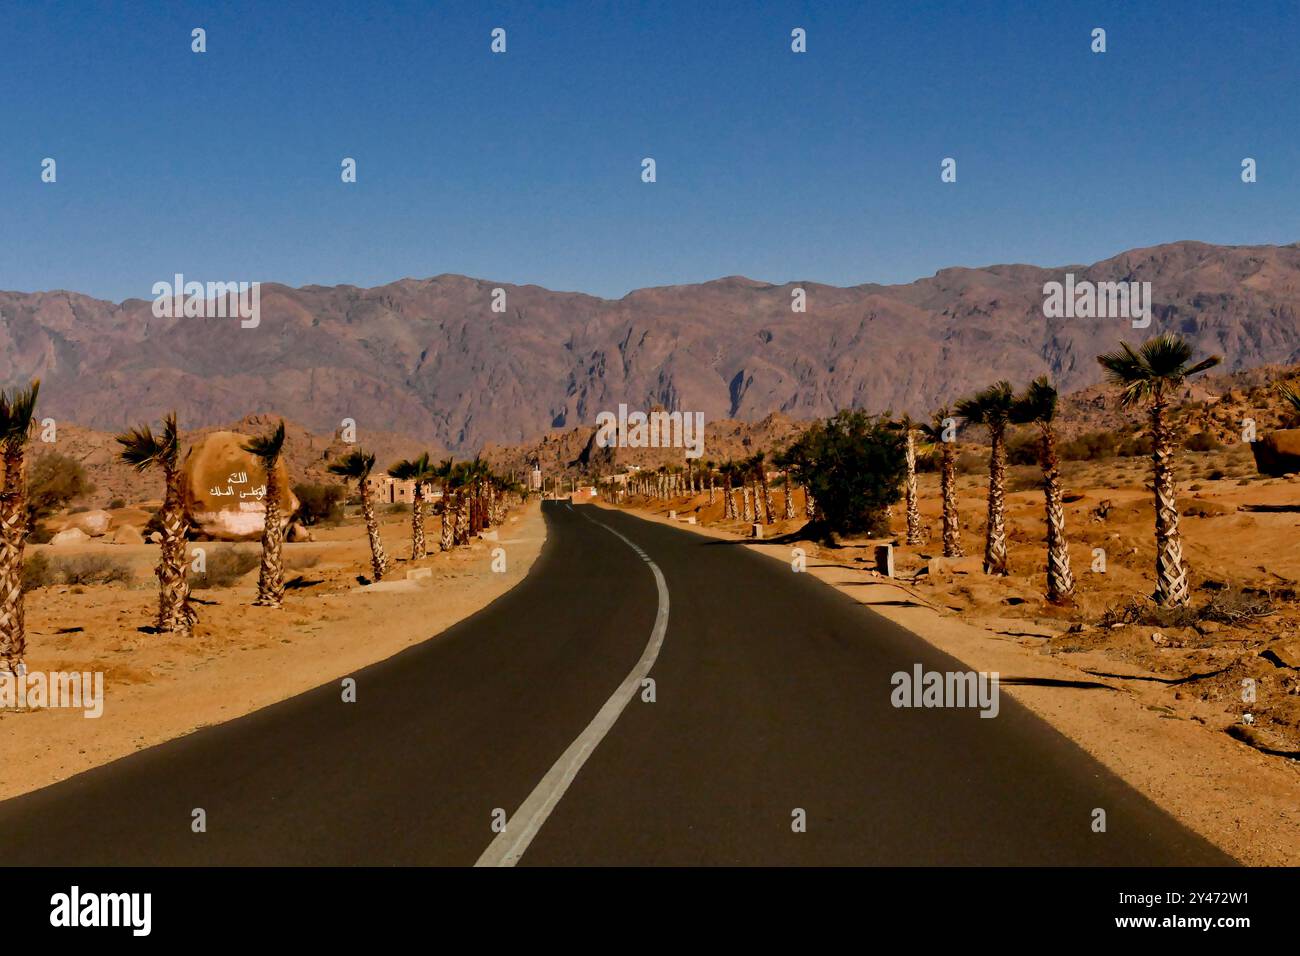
{"points": [[992, 409], [709, 467], [442, 473], [416, 470], [934, 434], [759, 462], [270, 581], [143, 449], [1149, 375], [1038, 406], [728, 471], [356, 466], [909, 429], [16, 410]]}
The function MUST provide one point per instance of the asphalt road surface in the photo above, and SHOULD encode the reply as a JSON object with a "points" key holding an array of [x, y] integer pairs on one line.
{"points": [[772, 696]]}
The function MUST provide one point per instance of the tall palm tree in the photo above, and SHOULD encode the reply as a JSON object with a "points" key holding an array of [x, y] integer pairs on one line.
{"points": [[143, 449], [442, 473], [1037, 406], [728, 471], [416, 470], [16, 410], [992, 409], [1149, 375], [759, 462], [935, 434], [709, 466], [909, 429], [270, 581], [356, 466]]}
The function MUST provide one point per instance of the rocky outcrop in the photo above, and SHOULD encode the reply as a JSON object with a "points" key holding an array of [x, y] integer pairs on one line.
{"points": [[1278, 453], [225, 489]]}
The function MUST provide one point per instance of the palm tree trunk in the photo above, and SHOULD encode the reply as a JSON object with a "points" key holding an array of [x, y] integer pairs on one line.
{"points": [[378, 562], [461, 535], [270, 581], [13, 537], [909, 490], [710, 487], [951, 524], [175, 615], [745, 497], [809, 505], [418, 549], [1060, 581], [789, 496], [767, 498], [1171, 575], [448, 539], [995, 541]]}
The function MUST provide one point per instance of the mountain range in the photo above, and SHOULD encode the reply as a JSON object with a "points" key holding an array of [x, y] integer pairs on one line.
{"points": [[431, 359]]}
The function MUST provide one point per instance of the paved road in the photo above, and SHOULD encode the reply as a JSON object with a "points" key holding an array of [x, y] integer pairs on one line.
{"points": [[772, 695]]}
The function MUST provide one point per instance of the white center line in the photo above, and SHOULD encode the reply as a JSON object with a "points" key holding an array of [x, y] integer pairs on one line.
{"points": [[510, 844]]}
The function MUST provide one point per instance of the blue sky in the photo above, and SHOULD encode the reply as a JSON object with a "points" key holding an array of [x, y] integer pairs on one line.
{"points": [[525, 167]]}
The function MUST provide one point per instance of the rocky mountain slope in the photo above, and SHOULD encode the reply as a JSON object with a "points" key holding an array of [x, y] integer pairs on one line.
{"points": [[429, 358]]}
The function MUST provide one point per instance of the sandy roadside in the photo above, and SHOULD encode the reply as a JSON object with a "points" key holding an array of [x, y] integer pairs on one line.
{"points": [[241, 658], [1245, 802]]}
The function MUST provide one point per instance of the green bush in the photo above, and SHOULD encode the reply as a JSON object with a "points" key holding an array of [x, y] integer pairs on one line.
{"points": [[854, 465]]}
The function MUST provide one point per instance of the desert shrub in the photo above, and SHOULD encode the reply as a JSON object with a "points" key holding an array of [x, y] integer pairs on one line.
{"points": [[1134, 446], [37, 572], [1025, 478], [1022, 449], [1216, 475], [1091, 446], [224, 567], [398, 508], [82, 569], [319, 504], [1204, 441], [53, 480], [116, 503], [972, 463], [854, 465]]}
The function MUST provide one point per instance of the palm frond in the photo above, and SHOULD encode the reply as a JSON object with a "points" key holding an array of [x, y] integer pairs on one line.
{"points": [[355, 465], [1036, 404], [17, 407], [269, 446]]}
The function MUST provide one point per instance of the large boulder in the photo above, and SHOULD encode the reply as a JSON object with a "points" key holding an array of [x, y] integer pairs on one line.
{"points": [[94, 523], [1278, 452], [71, 536], [127, 534], [225, 488]]}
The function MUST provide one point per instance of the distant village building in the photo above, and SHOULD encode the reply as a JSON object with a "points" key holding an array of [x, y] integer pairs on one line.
{"points": [[389, 491]]}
